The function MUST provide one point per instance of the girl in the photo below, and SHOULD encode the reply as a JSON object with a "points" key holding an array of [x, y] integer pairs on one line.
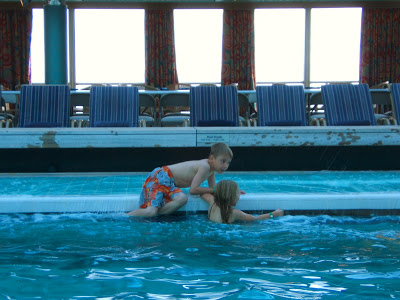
{"points": [[226, 195]]}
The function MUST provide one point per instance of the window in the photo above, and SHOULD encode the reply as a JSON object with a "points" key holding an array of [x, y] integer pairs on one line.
{"points": [[279, 45], [109, 46], [37, 47], [335, 44], [198, 45]]}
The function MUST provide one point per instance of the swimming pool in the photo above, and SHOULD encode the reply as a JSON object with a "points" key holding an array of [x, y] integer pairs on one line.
{"points": [[361, 193], [111, 256]]}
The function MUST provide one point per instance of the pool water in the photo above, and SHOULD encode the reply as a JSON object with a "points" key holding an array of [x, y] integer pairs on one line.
{"points": [[251, 182], [112, 256]]}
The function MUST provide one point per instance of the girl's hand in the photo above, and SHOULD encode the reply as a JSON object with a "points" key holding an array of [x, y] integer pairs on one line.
{"points": [[278, 213]]}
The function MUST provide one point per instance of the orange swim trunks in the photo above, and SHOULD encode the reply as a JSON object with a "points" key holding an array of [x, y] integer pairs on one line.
{"points": [[158, 189]]}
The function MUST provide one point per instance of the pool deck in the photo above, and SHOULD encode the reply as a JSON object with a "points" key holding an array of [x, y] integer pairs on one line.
{"points": [[255, 148]]}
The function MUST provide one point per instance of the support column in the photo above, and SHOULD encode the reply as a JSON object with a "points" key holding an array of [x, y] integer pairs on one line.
{"points": [[55, 44]]}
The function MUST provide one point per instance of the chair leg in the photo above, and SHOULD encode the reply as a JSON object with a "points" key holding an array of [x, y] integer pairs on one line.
{"points": [[315, 122], [142, 123]]}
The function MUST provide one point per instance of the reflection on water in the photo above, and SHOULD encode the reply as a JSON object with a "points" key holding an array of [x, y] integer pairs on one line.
{"points": [[188, 257]]}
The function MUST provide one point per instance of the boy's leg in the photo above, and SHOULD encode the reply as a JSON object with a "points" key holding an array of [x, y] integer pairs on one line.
{"points": [[149, 211], [179, 200]]}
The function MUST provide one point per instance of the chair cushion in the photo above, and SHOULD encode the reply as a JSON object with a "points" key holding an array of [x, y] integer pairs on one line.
{"points": [[284, 123], [42, 124], [354, 123], [111, 124], [217, 123]]}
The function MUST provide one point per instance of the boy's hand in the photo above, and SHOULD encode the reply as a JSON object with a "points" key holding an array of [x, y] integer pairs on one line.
{"points": [[242, 192], [278, 213]]}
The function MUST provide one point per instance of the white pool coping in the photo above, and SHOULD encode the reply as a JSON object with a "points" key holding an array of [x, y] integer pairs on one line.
{"points": [[10, 204]]}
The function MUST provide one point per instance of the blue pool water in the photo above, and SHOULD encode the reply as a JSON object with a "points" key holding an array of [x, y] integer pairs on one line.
{"points": [[112, 256], [251, 182]]}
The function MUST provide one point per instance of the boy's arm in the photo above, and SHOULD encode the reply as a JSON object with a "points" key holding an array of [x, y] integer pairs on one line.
{"points": [[201, 175], [211, 181]]}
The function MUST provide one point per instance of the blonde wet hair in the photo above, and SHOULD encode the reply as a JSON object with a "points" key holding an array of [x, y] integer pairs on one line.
{"points": [[221, 149], [225, 196]]}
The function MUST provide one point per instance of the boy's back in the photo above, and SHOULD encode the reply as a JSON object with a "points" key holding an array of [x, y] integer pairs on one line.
{"points": [[185, 172]]}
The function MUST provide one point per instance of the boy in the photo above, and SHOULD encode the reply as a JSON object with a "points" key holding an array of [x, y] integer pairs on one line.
{"points": [[161, 193]]}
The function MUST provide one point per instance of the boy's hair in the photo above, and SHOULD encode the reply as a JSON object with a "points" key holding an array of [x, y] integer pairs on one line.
{"points": [[226, 192], [221, 149]]}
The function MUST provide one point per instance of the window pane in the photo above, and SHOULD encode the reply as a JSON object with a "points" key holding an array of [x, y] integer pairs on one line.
{"points": [[198, 42], [335, 44], [279, 45], [37, 47], [109, 45]]}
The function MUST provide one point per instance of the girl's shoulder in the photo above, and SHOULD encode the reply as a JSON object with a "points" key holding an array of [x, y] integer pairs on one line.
{"points": [[214, 213]]}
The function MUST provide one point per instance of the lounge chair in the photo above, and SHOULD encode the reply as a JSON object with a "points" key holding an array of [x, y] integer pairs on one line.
{"points": [[316, 111], [281, 105], [114, 106], [348, 105], [6, 119], [179, 101], [148, 108], [44, 106], [395, 93], [382, 101], [80, 116], [244, 106], [214, 106]]}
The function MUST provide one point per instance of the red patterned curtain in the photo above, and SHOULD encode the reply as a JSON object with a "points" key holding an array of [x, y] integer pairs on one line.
{"points": [[15, 43], [160, 48], [238, 49], [380, 46]]}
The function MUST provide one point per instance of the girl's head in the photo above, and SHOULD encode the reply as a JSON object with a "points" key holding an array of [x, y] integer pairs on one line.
{"points": [[226, 195]]}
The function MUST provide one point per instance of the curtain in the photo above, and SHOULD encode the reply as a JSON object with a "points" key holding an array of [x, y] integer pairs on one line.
{"points": [[15, 42], [238, 49], [380, 46], [160, 48]]}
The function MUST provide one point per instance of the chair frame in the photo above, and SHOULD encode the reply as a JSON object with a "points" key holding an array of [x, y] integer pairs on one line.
{"points": [[177, 100], [147, 101]]}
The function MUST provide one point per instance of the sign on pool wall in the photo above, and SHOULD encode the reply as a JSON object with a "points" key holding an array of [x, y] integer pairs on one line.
{"points": [[212, 138]]}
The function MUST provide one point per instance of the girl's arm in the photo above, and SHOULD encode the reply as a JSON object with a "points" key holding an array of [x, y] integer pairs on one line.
{"points": [[209, 198], [239, 215]]}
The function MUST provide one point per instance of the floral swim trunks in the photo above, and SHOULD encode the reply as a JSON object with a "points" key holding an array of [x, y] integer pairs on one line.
{"points": [[158, 189]]}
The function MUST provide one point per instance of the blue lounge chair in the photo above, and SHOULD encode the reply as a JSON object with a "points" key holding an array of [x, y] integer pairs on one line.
{"points": [[281, 105], [348, 105], [114, 106], [44, 106], [214, 106], [395, 94]]}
